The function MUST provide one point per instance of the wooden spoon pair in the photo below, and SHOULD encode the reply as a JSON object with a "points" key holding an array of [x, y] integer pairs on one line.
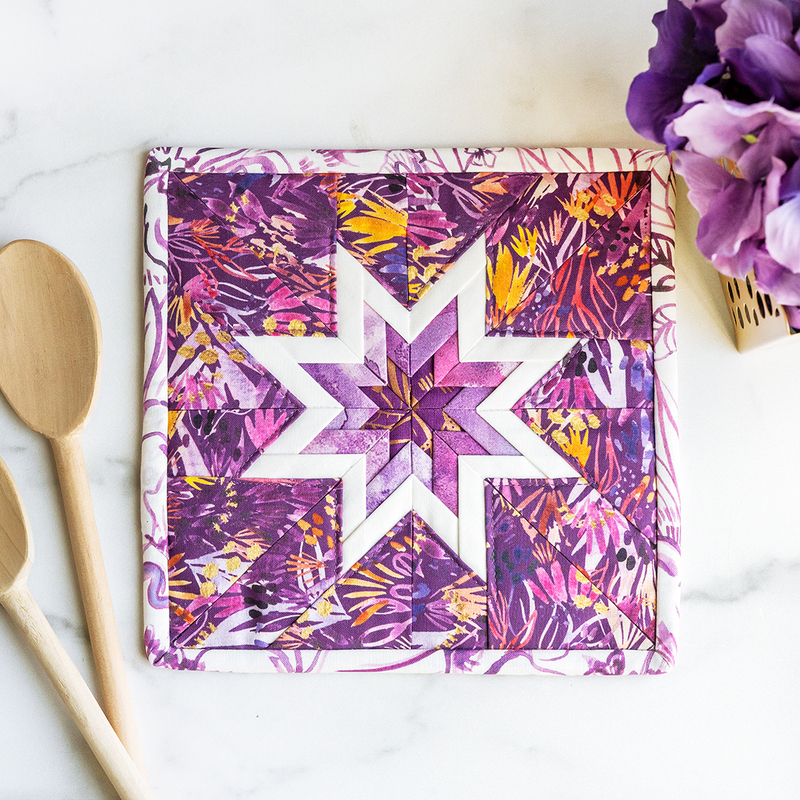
{"points": [[49, 373]]}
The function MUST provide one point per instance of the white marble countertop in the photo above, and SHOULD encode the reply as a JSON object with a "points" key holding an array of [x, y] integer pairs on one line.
{"points": [[87, 89]]}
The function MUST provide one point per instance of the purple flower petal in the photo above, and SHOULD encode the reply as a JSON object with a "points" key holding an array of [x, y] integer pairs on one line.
{"points": [[793, 315], [772, 188], [777, 57], [739, 265], [772, 277], [782, 227], [746, 71], [750, 17], [704, 177], [790, 183], [757, 161], [681, 53], [654, 100], [733, 216], [709, 14], [716, 126]]}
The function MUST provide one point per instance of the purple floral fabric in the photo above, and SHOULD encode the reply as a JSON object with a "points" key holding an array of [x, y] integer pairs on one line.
{"points": [[256, 252], [409, 591], [369, 607], [572, 257], [597, 374], [226, 534], [542, 597], [407, 230]]}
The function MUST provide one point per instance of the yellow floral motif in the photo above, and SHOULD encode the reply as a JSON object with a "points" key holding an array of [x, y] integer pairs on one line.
{"points": [[224, 337], [592, 421], [318, 335], [210, 570], [208, 589], [209, 356], [560, 438], [270, 323], [207, 318], [578, 447], [601, 608], [254, 551], [582, 601], [202, 338], [233, 564], [229, 547], [186, 351], [508, 280], [297, 327], [184, 329], [237, 355], [577, 422], [324, 607], [306, 632]]}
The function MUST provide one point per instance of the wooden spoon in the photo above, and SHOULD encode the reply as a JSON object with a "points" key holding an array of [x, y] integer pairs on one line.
{"points": [[16, 557], [49, 373]]}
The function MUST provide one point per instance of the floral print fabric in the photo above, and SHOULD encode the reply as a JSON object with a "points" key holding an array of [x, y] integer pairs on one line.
{"points": [[272, 565]]}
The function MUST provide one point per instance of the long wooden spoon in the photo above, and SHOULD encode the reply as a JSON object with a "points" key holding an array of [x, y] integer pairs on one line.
{"points": [[49, 373], [16, 557]]}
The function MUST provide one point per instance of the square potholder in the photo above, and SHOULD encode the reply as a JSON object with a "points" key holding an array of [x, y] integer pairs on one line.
{"points": [[410, 410]]}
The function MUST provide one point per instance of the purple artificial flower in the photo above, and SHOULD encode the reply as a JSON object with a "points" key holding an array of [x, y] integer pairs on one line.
{"points": [[724, 86], [684, 50]]}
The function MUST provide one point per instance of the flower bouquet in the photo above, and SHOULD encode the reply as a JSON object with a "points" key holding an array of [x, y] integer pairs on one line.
{"points": [[723, 95]]}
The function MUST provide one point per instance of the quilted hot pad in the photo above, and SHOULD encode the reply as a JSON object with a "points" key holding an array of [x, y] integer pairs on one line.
{"points": [[410, 410]]}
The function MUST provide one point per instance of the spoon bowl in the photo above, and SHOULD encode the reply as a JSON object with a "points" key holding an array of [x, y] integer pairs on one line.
{"points": [[51, 331], [16, 557]]}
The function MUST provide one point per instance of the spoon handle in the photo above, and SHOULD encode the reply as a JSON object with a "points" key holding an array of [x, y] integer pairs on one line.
{"points": [[117, 764], [96, 595]]}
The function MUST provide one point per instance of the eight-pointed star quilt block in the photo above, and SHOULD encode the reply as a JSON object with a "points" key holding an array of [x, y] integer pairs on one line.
{"points": [[410, 410]]}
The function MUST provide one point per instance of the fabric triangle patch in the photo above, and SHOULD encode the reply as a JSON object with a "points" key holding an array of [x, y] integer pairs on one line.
{"points": [[549, 222], [226, 278], [538, 599], [208, 368], [218, 527], [592, 536], [372, 212], [602, 290], [449, 600], [222, 442], [277, 586], [369, 606], [613, 448], [597, 373], [446, 215], [407, 230], [288, 221]]}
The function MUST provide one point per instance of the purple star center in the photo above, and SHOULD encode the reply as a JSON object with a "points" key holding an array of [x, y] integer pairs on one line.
{"points": [[411, 407]]}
